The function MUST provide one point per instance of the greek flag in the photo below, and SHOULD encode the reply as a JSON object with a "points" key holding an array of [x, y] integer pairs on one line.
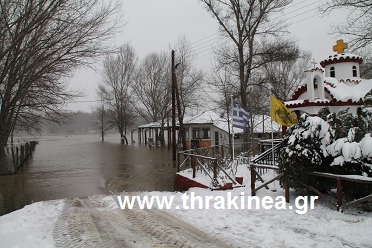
{"points": [[240, 117]]}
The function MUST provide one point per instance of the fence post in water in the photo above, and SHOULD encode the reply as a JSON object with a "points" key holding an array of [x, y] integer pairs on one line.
{"points": [[27, 150], [253, 180], [22, 155], [17, 157], [339, 194]]}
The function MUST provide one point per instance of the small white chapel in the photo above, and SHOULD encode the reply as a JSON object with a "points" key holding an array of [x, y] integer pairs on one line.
{"points": [[337, 85]]}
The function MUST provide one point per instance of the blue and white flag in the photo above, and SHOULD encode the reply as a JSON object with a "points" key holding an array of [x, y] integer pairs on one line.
{"points": [[240, 117]]}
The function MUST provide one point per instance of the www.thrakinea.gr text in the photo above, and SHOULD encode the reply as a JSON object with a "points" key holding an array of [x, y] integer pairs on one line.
{"points": [[191, 201]]}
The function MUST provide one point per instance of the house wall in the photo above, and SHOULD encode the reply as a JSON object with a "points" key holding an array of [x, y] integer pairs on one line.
{"points": [[223, 136]]}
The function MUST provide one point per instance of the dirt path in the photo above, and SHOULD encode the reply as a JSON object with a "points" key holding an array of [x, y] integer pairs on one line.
{"points": [[87, 222]]}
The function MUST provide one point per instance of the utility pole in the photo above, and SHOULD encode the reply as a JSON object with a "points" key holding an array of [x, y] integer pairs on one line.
{"points": [[174, 148], [180, 117]]}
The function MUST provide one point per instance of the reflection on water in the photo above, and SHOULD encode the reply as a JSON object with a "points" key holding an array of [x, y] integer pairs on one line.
{"points": [[81, 165]]}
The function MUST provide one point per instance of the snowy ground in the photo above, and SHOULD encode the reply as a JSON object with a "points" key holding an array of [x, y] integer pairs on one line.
{"points": [[47, 224]]}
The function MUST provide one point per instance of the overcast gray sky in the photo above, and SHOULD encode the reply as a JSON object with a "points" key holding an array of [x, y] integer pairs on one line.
{"points": [[154, 24]]}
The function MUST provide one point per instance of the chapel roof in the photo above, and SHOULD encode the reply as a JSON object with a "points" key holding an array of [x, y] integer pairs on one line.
{"points": [[343, 57]]}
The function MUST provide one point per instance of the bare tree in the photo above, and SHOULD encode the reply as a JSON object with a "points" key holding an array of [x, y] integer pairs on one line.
{"points": [[222, 82], [189, 79], [284, 77], [356, 27], [153, 89], [358, 23], [41, 42], [119, 74], [245, 24], [104, 116]]}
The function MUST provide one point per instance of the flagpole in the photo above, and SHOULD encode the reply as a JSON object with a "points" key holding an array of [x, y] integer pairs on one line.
{"points": [[272, 139], [272, 132]]}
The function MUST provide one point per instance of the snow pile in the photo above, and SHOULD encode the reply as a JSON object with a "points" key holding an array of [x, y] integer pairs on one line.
{"points": [[31, 226]]}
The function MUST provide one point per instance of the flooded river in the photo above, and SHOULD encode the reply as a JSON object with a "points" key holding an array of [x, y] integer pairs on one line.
{"points": [[81, 165]]}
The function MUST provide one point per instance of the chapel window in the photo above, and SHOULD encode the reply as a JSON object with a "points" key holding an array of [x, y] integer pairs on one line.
{"points": [[332, 72], [355, 72]]}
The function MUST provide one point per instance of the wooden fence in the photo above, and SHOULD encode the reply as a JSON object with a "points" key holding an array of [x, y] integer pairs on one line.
{"points": [[208, 160], [17, 154], [265, 162]]}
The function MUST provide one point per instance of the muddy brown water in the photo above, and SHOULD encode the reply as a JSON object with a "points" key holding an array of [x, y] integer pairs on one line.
{"points": [[81, 165]]}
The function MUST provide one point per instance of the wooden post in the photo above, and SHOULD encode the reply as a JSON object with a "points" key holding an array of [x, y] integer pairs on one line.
{"points": [[215, 169], [193, 165], [286, 187], [174, 148], [178, 162], [339, 194], [253, 180]]}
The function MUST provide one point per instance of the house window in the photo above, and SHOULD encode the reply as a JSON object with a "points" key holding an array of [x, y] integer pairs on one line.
{"points": [[201, 133], [355, 72], [332, 72], [206, 133]]}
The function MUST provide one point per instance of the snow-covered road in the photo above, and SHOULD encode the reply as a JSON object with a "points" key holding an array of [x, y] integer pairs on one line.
{"points": [[89, 222], [98, 221]]}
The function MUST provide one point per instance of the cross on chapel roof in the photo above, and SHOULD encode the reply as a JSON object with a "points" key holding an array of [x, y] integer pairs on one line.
{"points": [[340, 46], [314, 63]]}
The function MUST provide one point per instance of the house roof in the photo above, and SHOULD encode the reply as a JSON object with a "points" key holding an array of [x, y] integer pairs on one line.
{"points": [[151, 125], [215, 119]]}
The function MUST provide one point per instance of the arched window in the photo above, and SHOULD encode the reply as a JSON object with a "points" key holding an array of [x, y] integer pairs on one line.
{"points": [[332, 72], [355, 72], [315, 80]]}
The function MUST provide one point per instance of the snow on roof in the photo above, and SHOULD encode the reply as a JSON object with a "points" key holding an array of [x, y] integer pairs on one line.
{"points": [[343, 57], [151, 125], [211, 117], [339, 90], [345, 92]]}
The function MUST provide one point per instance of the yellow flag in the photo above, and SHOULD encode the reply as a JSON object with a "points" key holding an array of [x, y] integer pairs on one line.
{"points": [[280, 113]]}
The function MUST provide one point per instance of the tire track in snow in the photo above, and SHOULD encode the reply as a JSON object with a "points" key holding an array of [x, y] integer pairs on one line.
{"points": [[87, 223]]}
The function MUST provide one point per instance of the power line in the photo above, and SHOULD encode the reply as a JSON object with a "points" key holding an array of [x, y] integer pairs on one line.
{"points": [[207, 42], [203, 38]]}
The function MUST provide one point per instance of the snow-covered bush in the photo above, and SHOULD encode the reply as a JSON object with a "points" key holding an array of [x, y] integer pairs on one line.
{"points": [[338, 143], [305, 149]]}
